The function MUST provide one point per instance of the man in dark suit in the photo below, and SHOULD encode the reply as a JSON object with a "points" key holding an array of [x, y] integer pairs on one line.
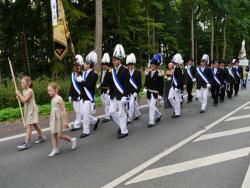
{"points": [[135, 87], [203, 80], [230, 80], [154, 85], [119, 91], [224, 78], [105, 83], [177, 86], [75, 92], [88, 83], [238, 75], [190, 78], [216, 81]]}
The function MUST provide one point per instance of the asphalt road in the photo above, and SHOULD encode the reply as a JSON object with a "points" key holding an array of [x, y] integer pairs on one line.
{"points": [[177, 153]]}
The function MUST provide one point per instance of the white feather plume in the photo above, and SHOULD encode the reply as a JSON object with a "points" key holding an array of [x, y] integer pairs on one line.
{"points": [[105, 58], [133, 58], [119, 51], [91, 58]]}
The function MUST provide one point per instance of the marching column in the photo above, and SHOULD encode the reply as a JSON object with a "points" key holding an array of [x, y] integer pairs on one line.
{"points": [[105, 80], [203, 79], [119, 91], [154, 84], [135, 87], [88, 82], [75, 92]]}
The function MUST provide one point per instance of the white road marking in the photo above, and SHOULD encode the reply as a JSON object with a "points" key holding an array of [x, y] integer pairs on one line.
{"points": [[223, 133], [189, 165], [246, 108], [246, 182], [141, 167], [238, 117]]}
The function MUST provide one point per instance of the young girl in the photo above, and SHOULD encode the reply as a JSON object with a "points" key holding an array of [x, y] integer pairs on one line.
{"points": [[58, 120], [30, 113]]}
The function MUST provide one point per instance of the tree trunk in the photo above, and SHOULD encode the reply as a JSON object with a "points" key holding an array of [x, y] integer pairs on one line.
{"points": [[212, 39], [98, 33], [119, 20], [148, 34], [153, 34], [192, 31], [26, 50], [224, 41]]}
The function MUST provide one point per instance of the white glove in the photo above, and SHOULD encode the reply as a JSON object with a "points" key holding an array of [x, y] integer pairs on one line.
{"points": [[108, 91], [145, 90], [194, 80], [70, 99], [169, 78], [135, 95], [79, 79], [160, 97], [79, 98], [98, 86], [124, 100], [176, 89], [208, 85]]}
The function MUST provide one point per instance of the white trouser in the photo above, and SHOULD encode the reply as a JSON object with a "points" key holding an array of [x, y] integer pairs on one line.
{"points": [[120, 115], [202, 95], [106, 102], [78, 110], [174, 99], [154, 113], [87, 117], [133, 108]]}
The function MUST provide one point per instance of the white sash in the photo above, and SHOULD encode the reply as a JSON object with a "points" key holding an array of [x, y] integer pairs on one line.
{"points": [[230, 72], [237, 73], [215, 77], [189, 73], [88, 92], [202, 75], [175, 81], [75, 84], [117, 82]]}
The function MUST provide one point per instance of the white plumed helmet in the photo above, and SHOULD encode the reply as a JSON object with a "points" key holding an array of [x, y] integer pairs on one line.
{"points": [[205, 58], [91, 58], [130, 59], [105, 58], [119, 52], [133, 58], [177, 59], [78, 60], [233, 61]]}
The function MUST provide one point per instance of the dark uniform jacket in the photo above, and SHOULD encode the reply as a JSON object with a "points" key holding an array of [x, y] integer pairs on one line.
{"points": [[178, 77], [230, 78], [218, 75], [72, 92], [155, 83], [123, 76], [107, 81], [199, 79], [236, 76], [188, 79], [224, 76], [89, 83], [137, 78]]}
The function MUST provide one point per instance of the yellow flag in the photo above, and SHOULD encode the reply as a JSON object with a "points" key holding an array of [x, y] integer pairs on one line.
{"points": [[60, 30]]}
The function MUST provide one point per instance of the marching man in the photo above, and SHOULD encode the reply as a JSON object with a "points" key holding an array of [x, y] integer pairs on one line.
{"points": [[190, 78], [135, 83], [105, 80], [230, 80], [88, 82], [203, 79], [238, 74], [75, 92], [119, 91], [216, 82], [224, 79], [177, 86], [154, 85]]}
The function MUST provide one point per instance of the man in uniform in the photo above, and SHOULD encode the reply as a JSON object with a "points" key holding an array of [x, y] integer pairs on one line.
{"points": [[224, 78], [189, 76], [238, 75], [230, 80]]}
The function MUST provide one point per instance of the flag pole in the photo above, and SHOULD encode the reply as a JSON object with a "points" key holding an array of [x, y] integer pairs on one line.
{"points": [[14, 80]]}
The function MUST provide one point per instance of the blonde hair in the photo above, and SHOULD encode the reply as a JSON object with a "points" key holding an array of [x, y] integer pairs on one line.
{"points": [[54, 86], [28, 80]]}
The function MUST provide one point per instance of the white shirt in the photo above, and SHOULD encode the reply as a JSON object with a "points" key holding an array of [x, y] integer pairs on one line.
{"points": [[103, 75], [215, 70], [152, 73], [87, 73], [131, 72], [118, 68]]}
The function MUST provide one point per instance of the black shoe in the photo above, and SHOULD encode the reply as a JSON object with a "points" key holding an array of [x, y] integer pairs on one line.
{"points": [[129, 122], [75, 129], [176, 116], [122, 135], [202, 111], [105, 120], [222, 100], [215, 104], [136, 118], [83, 135], [158, 119], [189, 101], [150, 125], [96, 125], [119, 131]]}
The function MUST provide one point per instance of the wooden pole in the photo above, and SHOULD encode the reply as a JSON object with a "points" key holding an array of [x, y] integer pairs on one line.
{"points": [[14, 80]]}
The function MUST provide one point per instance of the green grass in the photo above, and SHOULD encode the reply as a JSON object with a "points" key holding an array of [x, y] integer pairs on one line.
{"points": [[9, 114]]}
